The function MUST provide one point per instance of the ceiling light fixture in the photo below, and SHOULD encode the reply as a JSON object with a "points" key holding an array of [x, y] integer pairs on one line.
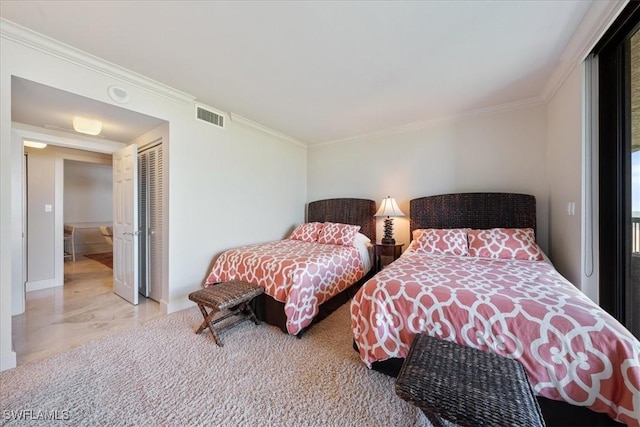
{"points": [[34, 144], [88, 126]]}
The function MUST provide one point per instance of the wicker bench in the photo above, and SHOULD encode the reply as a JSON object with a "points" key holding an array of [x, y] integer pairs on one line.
{"points": [[466, 386], [234, 296]]}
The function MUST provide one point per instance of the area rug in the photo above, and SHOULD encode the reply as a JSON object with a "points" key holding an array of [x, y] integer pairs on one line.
{"points": [[105, 258], [162, 373]]}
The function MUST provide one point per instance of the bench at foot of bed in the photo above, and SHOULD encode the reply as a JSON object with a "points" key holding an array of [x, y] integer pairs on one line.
{"points": [[466, 386], [234, 296]]}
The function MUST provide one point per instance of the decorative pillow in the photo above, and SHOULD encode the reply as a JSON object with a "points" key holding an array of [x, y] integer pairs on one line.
{"points": [[440, 241], [338, 234], [307, 232], [504, 243]]}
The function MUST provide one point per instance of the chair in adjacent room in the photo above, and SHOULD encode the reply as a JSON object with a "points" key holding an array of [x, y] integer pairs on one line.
{"points": [[107, 233], [69, 243]]}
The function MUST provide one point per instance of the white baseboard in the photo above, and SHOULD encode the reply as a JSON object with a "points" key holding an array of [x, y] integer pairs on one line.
{"points": [[41, 284], [164, 306], [8, 361], [176, 305]]}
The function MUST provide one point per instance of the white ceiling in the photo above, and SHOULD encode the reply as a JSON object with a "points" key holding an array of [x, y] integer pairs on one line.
{"points": [[323, 71]]}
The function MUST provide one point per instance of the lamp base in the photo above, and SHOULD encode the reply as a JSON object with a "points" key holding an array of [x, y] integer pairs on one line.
{"points": [[388, 232]]}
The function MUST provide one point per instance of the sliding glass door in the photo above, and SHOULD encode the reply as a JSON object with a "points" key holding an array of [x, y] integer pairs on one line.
{"points": [[618, 56], [632, 292]]}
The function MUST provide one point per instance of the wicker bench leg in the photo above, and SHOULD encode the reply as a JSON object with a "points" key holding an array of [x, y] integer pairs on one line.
{"points": [[246, 309], [208, 323], [433, 419]]}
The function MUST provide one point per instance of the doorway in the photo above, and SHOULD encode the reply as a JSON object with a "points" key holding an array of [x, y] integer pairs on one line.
{"points": [[75, 187], [84, 308], [25, 93]]}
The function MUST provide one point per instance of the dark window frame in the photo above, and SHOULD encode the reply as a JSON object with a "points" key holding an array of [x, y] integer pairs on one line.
{"points": [[614, 178]]}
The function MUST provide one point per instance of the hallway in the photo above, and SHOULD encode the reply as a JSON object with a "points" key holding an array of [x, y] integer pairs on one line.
{"points": [[83, 310]]}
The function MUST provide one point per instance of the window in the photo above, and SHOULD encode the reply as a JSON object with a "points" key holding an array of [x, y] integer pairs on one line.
{"points": [[618, 56]]}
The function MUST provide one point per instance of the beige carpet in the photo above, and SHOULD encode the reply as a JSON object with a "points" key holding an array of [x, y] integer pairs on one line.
{"points": [[165, 374]]}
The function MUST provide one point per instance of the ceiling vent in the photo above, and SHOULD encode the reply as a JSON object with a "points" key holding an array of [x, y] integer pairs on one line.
{"points": [[209, 116]]}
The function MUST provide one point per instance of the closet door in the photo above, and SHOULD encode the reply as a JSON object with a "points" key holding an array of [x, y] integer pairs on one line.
{"points": [[143, 217], [155, 223], [151, 207]]}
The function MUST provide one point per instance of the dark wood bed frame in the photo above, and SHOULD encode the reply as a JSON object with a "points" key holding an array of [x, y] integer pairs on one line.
{"points": [[346, 211], [483, 211]]}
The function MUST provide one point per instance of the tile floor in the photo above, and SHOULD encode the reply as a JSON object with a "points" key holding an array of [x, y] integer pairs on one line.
{"points": [[83, 310]]}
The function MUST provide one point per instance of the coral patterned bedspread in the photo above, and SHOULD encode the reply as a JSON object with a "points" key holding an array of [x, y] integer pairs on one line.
{"points": [[302, 275], [572, 349]]}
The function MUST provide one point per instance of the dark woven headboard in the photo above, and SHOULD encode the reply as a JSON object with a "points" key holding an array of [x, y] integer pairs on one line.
{"points": [[473, 210], [346, 211]]}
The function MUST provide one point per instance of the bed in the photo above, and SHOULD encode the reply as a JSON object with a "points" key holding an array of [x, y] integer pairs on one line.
{"points": [[576, 355], [312, 272]]}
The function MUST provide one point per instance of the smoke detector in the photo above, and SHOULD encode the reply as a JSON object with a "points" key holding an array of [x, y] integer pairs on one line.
{"points": [[118, 94]]}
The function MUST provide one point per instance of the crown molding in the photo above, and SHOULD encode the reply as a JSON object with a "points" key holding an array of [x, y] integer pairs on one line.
{"points": [[237, 118], [410, 127], [595, 23], [31, 39]]}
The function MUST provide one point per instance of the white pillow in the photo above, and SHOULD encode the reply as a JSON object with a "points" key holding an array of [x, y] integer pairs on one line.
{"points": [[363, 244], [362, 239]]}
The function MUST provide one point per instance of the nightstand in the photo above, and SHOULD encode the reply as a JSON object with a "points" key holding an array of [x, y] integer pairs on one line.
{"points": [[386, 250]]}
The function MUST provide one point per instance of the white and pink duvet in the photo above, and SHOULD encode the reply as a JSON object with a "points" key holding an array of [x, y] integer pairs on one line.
{"points": [[302, 275], [572, 349]]}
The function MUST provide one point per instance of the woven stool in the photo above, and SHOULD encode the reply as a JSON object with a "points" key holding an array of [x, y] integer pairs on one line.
{"points": [[466, 386], [234, 296]]}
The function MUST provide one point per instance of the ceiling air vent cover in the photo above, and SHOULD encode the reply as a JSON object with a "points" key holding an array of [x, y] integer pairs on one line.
{"points": [[206, 115]]}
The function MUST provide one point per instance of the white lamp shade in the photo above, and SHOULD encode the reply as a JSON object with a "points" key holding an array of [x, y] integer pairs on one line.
{"points": [[90, 127], [389, 207]]}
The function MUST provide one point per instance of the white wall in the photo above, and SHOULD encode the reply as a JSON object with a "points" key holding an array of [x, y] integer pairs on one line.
{"points": [[503, 151], [535, 150], [565, 176], [88, 198], [45, 177], [87, 192], [40, 224], [227, 187]]}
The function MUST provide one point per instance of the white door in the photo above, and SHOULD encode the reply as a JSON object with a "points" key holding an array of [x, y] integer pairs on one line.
{"points": [[125, 223]]}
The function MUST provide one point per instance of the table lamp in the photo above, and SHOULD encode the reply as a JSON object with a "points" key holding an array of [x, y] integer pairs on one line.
{"points": [[389, 208]]}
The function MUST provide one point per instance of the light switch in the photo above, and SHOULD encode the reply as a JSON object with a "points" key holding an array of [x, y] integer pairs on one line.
{"points": [[48, 208], [571, 208]]}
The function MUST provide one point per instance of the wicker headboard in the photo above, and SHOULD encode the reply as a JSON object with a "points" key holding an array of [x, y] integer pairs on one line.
{"points": [[473, 210], [346, 211]]}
